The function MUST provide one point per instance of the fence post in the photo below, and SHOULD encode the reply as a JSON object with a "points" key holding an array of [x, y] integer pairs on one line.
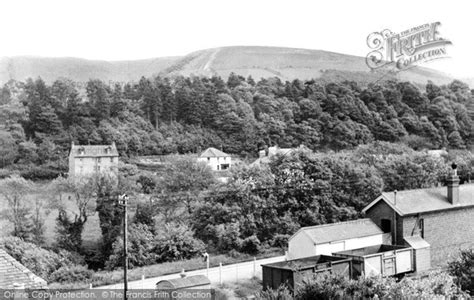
{"points": [[220, 273], [254, 266], [90, 285]]}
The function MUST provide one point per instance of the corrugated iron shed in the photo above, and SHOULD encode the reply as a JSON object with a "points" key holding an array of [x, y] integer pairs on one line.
{"points": [[184, 283]]}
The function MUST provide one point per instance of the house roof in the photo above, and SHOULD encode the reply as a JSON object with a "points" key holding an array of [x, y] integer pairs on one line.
{"points": [[94, 150], [14, 273], [326, 233], [185, 282], [410, 202], [213, 152]]}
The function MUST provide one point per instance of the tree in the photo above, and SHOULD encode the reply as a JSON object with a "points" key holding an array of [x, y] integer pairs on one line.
{"points": [[98, 94], [140, 248], [70, 222], [176, 241], [15, 190], [8, 149], [187, 178]]}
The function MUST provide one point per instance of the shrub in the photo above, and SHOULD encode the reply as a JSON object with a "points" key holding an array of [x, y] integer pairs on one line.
{"points": [[282, 293], [39, 173], [140, 246], [462, 268], [280, 240], [40, 261], [251, 245], [70, 274], [176, 241]]}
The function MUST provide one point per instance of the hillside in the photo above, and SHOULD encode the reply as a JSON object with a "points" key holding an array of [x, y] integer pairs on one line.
{"points": [[285, 63], [79, 70]]}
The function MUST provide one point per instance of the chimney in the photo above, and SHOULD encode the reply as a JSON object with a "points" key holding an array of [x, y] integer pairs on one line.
{"points": [[453, 186], [261, 153], [395, 197]]}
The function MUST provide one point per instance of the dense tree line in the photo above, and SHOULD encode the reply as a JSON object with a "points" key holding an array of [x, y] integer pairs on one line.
{"points": [[188, 114], [358, 142]]}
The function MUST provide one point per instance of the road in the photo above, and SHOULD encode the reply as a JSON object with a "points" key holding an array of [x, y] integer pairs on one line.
{"points": [[228, 273]]}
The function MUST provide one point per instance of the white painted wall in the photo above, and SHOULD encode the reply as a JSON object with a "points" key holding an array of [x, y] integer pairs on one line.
{"points": [[87, 166], [302, 246], [215, 163]]}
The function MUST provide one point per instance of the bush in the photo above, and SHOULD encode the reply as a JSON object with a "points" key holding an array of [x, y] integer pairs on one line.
{"points": [[176, 241], [280, 240], [328, 286], [40, 261], [282, 293], [140, 246], [71, 274], [462, 268], [251, 245], [39, 173]]}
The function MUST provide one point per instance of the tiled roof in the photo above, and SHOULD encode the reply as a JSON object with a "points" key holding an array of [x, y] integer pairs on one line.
{"points": [[213, 152], [326, 233], [12, 273], [94, 150], [425, 200]]}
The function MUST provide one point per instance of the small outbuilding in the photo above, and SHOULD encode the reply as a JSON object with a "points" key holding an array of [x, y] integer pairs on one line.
{"points": [[188, 282], [186, 287], [292, 272], [329, 238], [384, 260], [421, 253]]}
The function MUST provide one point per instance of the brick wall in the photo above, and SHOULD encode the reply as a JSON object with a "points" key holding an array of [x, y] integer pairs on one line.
{"points": [[447, 232], [382, 211]]}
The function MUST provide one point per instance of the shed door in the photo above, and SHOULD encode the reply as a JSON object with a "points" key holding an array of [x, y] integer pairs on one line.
{"points": [[389, 266]]}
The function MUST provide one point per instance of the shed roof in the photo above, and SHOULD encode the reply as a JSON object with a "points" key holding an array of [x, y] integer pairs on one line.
{"points": [[184, 282], [326, 233], [213, 152], [369, 250], [416, 242], [416, 201], [94, 150], [12, 272]]}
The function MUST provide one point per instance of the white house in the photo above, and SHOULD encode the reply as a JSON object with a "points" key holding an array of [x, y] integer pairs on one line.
{"points": [[329, 238], [215, 159]]}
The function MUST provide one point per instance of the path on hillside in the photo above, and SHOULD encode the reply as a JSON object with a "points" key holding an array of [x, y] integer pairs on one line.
{"points": [[229, 273], [207, 66]]}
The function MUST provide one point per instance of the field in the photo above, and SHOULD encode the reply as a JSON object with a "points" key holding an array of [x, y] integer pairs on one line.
{"points": [[91, 232]]}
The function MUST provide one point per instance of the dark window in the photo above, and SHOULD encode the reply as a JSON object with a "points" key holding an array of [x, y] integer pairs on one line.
{"points": [[386, 225], [421, 227]]}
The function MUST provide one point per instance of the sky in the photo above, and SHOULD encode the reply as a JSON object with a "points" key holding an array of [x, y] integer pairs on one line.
{"points": [[128, 30]]}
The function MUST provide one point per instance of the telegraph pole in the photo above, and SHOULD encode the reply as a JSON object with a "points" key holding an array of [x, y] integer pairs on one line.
{"points": [[123, 202]]}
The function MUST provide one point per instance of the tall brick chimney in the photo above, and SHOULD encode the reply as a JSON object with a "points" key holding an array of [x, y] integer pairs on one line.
{"points": [[453, 186]]}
